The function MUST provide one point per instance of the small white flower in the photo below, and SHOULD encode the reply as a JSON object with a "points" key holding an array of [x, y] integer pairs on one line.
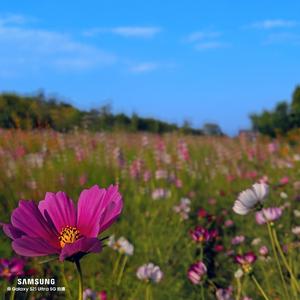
{"points": [[296, 230], [256, 241], [121, 245], [297, 213], [149, 272], [183, 208], [238, 273], [250, 198], [283, 195]]}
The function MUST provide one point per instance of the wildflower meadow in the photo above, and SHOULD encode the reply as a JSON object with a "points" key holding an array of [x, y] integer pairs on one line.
{"points": [[157, 217]]}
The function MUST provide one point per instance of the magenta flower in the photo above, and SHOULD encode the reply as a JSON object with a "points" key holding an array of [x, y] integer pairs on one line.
{"points": [[10, 268], [56, 227], [196, 272], [246, 261], [200, 234], [268, 215]]}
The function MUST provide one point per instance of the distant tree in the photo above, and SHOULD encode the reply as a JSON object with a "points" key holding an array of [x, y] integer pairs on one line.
{"points": [[212, 129]]}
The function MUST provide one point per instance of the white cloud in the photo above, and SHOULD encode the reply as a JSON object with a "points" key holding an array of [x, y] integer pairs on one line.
{"points": [[286, 38], [136, 31], [275, 23], [144, 67], [206, 40], [35, 49], [201, 35], [14, 19]]}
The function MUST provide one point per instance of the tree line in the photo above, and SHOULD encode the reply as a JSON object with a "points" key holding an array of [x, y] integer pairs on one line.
{"points": [[280, 120], [38, 112]]}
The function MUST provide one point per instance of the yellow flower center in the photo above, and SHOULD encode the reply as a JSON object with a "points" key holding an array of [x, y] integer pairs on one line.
{"points": [[68, 235], [246, 268]]}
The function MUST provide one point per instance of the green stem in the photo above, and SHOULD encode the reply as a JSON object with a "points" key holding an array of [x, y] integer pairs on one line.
{"points": [[80, 280], [239, 289], [277, 261], [13, 292], [286, 264], [259, 287], [122, 269], [65, 281], [116, 265]]}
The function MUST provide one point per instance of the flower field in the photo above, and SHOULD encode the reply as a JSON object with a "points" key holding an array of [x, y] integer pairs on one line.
{"points": [[187, 217]]}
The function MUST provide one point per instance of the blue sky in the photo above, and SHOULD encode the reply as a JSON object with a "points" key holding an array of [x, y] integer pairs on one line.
{"points": [[204, 61]]}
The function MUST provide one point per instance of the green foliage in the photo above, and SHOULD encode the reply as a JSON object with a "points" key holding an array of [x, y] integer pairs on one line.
{"points": [[37, 111], [283, 118]]}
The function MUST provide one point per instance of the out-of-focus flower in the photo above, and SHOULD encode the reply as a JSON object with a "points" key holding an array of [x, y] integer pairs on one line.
{"points": [[121, 245], [296, 230], [56, 227], [83, 179], [246, 261], [228, 223], [160, 193], [183, 208], [224, 294], [256, 241], [219, 248], [284, 180], [161, 174], [296, 185], [200, 234], [251, 198], [196, 272], [103, 295], [268, 215], [202, 213], [238, 240], [212, 201], [149, 272], [272, 147], [10, 268], [263, 251], [283, 195], [238, 273], [147, 176], [89, 294], [296, 213]]}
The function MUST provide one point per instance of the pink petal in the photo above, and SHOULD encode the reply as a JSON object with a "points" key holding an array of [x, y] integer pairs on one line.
{"points": [[30, 246], [60, 208], [29, 219], [90, 208], [113, 207], [12, 232], [81, 246]]}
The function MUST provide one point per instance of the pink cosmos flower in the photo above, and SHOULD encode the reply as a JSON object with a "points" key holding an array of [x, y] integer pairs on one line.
{"points": [[200, 234], [10, 268], [237, 240], [196, 272], [263, 250], [284, 180], [268, 215], [56, 227], [103, 295], [246, 261]]}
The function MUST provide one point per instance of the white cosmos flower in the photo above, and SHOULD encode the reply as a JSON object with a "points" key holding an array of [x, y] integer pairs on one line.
{"points": [[149, 272], [249, 198]]}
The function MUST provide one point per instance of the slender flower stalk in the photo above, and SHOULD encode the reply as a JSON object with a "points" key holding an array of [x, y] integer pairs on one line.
{"points": [[80, 280], [277, 260], [285, 262], [125, 258], [259, 287]]}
